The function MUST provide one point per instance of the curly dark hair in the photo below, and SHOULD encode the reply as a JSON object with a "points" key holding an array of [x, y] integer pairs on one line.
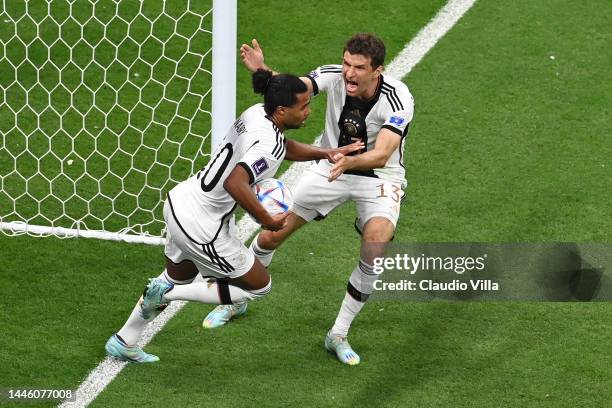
{"points": [[278, 90], [367, 45]]}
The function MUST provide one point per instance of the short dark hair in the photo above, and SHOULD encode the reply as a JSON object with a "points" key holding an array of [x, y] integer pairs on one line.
{"points": [[277, 90], [367, 45]]}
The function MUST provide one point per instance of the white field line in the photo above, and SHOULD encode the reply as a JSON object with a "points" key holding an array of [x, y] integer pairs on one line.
{"points": [[429, 35], [411, 55]]}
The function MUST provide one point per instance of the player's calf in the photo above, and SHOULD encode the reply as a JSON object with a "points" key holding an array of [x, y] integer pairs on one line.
{"points": [[252, 285], [231, 294], [234, 303], [266, 242], [359, 288]]}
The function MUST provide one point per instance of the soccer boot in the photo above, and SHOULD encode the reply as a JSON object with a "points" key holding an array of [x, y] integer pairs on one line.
{"points": [[121, 351], [342, 348], [152, 297], [222, 314]]}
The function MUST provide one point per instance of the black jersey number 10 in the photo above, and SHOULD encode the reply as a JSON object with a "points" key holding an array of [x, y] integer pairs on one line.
{"points": [[216, 168]]}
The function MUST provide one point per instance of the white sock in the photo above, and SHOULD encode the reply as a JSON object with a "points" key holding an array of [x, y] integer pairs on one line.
{"points": [[264, 255], [360, 287], [135, 324], [348, 311], [215, 292], [133, 327]]}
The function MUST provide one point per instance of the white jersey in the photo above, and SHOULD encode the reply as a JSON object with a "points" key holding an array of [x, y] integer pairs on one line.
{"points": [[348, 119], [200, 204]]}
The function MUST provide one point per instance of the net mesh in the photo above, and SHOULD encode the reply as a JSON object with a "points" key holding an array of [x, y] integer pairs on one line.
{"points": [[105, 106]]}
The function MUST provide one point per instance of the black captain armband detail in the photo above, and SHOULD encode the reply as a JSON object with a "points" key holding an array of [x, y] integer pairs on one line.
{"points": [[315, 87], [248, 170], [355, 294], [394, 130]]}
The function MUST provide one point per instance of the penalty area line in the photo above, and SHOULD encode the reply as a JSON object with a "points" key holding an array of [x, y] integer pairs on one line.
{"points": [[401, 65]]}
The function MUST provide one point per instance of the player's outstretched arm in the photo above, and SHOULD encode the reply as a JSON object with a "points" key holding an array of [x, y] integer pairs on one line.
{"points": [[253, 58], [297, 151], [237, 185], [386, 143]]}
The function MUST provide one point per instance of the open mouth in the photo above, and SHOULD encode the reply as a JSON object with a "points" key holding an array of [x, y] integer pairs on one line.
{"points": [[351, 86]]}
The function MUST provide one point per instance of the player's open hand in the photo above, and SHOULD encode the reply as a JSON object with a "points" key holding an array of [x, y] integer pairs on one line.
{"points": [[341, 164], [345, 150], [252, 57], [277, 222]]}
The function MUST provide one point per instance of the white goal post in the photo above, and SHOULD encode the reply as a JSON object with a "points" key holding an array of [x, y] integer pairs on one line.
{"points": [[106, 105]]}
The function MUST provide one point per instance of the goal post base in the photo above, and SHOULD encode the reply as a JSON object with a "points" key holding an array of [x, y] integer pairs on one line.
{"points": [[19, 228]]}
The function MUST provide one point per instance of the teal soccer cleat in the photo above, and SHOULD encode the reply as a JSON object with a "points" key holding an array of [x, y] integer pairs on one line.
{"points": [[222, 314], [121, 351], [341, 347], [152, 297]]}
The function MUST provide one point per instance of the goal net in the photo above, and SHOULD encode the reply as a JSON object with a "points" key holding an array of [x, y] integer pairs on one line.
{"points": [[105, 106]]}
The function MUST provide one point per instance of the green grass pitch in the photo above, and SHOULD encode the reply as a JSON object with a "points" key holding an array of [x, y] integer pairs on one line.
{"points": [[510, 143]]}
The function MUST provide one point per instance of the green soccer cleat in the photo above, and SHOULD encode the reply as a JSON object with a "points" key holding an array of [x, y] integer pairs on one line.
{"points": [[152, 297], [121, 351], [223, 314], [342, 348]]}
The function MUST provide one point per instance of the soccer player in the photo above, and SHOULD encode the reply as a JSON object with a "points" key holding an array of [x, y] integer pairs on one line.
{"points": [[362, 105], [197, 210]]}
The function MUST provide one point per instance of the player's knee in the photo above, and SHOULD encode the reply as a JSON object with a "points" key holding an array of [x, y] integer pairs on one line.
{"points": [[378, 229], [178, 280], [269, 240], [180, 273], [259, 293], [375, 239]]}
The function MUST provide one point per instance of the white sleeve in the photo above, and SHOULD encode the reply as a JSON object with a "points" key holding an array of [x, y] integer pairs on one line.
{"points": [[324, 76], [398, 113], [263, 159]]}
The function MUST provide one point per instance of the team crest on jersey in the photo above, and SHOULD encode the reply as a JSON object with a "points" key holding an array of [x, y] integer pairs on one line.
{"points": [[350, 127], [313, 74], [260, 166], [396, 120]]}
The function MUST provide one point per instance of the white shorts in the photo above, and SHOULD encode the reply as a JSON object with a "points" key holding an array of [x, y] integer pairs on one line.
{"points": [[314, 197], [225, 257]]}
